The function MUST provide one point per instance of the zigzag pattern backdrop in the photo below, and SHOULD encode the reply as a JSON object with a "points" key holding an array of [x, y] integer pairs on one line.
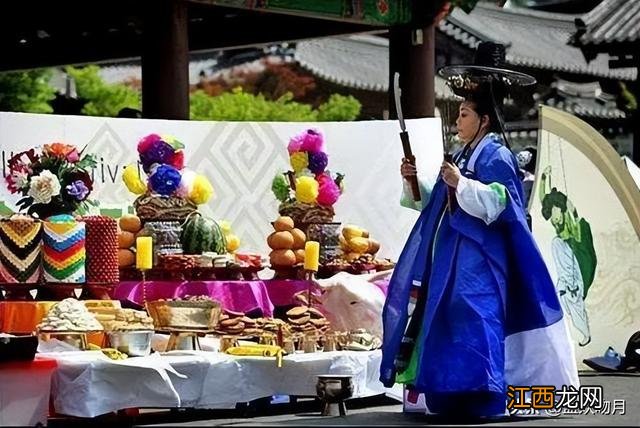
{"points": [[20, 251], [241, 159], [64, 252]]}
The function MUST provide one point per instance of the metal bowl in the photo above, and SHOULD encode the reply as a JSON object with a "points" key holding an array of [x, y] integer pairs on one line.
{"points": [[136, 343], [334, 388]]}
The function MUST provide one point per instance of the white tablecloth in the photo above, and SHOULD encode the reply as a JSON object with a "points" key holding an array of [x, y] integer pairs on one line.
{"points": [[88, 384]]}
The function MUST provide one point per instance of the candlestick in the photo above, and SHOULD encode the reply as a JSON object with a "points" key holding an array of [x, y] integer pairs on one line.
{"points": [[309, 277], [311, 255], [280, 336], [144, 287], [144, 261]]}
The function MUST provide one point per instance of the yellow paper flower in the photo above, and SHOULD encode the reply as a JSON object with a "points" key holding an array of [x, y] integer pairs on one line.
{"points": [[132, 180], [233, 243], [225, 226], [202, 190], [306, 190], [299, 161]]}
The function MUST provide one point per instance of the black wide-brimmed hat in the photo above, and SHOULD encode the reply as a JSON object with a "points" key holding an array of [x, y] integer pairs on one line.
{"points": [[487, 68]]}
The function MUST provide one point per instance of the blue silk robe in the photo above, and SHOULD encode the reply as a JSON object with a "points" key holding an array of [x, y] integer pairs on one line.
{"points": [[485, 282]]}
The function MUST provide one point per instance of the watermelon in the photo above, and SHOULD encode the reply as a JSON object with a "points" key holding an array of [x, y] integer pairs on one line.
{"points": [[202, 234]]}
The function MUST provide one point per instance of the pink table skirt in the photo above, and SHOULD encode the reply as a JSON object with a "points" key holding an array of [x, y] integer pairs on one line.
{"points": [[240, 296]]}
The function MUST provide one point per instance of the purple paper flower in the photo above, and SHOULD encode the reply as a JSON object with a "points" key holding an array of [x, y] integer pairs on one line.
{"points": [[165, 180], [158, 151], [78, 190], [317, 162]]}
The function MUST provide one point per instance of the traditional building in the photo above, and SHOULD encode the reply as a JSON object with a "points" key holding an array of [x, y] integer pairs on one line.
{"points": [[613, 28], [537, 44]]}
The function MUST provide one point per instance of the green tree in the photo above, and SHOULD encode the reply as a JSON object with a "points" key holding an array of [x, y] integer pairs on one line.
{"points": [[103, 99], [238, 105], [26, 91], [629, 101], [339, 108]]}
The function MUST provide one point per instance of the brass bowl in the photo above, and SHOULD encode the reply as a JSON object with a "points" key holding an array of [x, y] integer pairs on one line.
{"points": [[135, 343]]}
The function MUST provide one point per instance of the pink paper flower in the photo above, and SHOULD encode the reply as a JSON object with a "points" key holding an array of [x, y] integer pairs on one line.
{"points": [[313, 141], [145, 143], [295, 144], [328, 193], [73, 156]]}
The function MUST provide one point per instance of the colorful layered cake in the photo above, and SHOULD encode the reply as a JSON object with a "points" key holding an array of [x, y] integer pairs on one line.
{"points": [[64, 250], [20, 252]]}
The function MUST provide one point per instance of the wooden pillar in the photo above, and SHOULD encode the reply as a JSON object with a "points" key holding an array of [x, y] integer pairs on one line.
{"points": [[412, 54], [165, 60]]}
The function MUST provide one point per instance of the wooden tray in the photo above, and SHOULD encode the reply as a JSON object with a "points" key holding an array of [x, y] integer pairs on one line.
{"points": [[288, 272], [69, 332], [18, 290], [164, 316]]}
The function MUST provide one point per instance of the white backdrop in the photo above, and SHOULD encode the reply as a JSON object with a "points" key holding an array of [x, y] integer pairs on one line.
{"points": [[241, 158], [587, 169]]}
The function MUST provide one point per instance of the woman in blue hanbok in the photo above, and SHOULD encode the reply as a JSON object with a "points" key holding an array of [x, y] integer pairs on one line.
{"points": [[471, 308]]}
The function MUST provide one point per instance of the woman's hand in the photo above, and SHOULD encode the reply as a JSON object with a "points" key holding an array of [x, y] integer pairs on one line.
{"points": [[450, 174], [407, 169]]}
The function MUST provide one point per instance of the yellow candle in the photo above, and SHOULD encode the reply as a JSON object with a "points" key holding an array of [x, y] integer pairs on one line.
{"points": [[144, 253], [311, 255]]}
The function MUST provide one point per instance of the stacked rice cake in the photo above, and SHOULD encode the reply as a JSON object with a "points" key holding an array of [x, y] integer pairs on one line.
{"points": [[69, 315], [113, 318]]}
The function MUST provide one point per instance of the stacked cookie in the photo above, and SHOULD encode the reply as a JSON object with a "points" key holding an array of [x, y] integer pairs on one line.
{"points": [[273, 325], [238, 324], [304, 319], [300, 319], [177, 262], [233, 323]]}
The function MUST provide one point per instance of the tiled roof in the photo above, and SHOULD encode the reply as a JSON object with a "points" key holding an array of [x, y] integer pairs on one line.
{"points": [[585, 100], [585, 108], [533, 39], [118, 73], [362, 62], [611, 22], [357, 61]]}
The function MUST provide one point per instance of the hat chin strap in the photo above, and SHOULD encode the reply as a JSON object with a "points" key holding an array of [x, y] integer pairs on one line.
{"points": [[475, 136], [499, 116]]}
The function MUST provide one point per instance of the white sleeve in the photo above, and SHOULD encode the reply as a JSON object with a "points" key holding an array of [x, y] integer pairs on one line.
{"points": [[406, 200], [480, 200]]}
